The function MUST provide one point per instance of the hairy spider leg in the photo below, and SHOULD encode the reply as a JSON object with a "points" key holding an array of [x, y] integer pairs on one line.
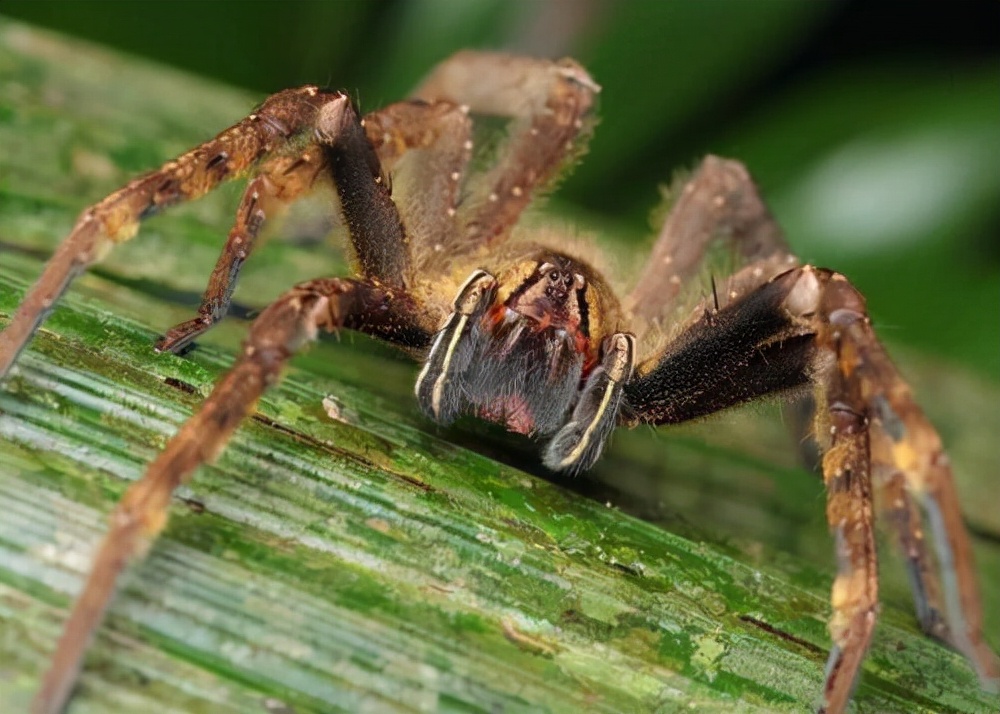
{"points": [[274, 127], [549, 103], [843, 427], [397, 132], [810, 325], [279, 332], [900, 511], [918, 487], [280, 183], [378, 305], [719, 202], [425, 149], [749, 348]]}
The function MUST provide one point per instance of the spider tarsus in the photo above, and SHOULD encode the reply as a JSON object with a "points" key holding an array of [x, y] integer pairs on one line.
{"points": [[180, 338]]}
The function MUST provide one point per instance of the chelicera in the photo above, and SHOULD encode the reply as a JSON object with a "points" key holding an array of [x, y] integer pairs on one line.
{"points": [[513, 328]]}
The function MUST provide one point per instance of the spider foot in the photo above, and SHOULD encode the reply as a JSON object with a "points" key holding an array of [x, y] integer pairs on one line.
{"points": [[180, 338]]}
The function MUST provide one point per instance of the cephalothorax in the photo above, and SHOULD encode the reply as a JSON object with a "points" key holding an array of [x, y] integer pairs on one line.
{"points": [[513, 328]]}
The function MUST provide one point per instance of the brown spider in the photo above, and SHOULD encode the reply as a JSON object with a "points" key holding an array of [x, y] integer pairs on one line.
{"points": [[517, 332]]}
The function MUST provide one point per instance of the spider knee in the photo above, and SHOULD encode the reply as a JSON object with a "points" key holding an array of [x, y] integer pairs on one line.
{"points": [[333, 119], [842, 303]]}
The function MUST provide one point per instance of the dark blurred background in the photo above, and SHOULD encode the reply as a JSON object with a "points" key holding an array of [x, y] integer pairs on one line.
{"points": [[873, 126]]}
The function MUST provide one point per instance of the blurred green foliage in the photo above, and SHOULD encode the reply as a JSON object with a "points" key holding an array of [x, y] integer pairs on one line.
{"points": [[871, 126]]}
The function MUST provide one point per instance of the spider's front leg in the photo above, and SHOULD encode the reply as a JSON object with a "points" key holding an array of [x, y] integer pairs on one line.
{"points": [[810, 325], [875, 426], [377, 304], [293, 139], [280, 331]]}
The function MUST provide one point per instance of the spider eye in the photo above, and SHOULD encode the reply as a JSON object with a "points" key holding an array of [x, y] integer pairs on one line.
{"points": [[554, 276]]}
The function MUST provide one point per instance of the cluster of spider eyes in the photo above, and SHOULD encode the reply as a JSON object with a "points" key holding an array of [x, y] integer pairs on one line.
{"points": [[567, 278], [555, 275]]}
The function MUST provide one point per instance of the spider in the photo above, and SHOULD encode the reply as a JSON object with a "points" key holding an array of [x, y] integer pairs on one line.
{"points": [[513, 329]]}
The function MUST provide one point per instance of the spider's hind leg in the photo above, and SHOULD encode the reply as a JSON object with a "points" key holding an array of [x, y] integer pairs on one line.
{"points": [[548, 104], [719, 203]]}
